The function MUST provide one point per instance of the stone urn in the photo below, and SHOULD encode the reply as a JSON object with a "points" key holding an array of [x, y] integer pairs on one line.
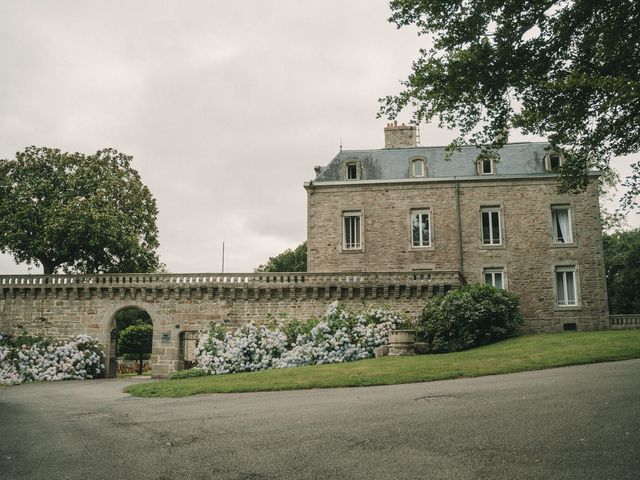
{"points": [[402, 342]]}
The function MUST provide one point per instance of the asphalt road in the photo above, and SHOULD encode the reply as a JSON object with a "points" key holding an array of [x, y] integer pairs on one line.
{"points": [[568, 423]]}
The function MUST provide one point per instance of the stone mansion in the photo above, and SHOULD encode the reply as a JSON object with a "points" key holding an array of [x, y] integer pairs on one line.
{"points": [[406, 208], [391, 227]]}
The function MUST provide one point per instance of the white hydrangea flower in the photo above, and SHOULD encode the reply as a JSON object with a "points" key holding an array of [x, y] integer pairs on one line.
{"points": [[341, 337], [48, 360]]}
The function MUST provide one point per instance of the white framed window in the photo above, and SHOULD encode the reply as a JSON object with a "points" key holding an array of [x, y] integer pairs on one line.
{"points": [[491, 231], [421, 228], [566, 286], [418, 168], [495, 277], [561, 224], [553, 161], [352, 230], [486, 167], [351, 171]]}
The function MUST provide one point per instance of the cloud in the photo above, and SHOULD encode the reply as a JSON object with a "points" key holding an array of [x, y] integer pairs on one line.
{"points": [[226, 107]]}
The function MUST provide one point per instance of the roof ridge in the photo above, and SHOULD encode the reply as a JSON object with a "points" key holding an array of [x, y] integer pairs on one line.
{"points": [[436, 146]]}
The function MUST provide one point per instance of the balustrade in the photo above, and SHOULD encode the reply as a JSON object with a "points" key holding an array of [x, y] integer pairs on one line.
{"points": [[624, 321], [219, 279]]}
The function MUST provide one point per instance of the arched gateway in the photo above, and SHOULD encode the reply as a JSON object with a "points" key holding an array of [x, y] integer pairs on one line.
{"points": [[180, 305], [113, 331]]}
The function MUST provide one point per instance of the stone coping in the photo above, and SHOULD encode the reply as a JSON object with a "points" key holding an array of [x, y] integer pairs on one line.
{"points": [[231, 279]]}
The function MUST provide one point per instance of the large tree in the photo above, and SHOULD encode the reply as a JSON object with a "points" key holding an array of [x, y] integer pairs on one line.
{"points": [[288, 261], [77, 213], [622, 263], [566, 70]]}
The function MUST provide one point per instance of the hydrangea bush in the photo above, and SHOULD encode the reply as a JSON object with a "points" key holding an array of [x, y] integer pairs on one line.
{"points": [[29, 359], [341, 336], [468, 317]]}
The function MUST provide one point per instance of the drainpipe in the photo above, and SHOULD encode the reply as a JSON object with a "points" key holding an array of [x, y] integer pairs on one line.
{"points": [[459, 221]]}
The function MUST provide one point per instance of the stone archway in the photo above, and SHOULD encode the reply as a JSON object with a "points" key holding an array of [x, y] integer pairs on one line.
{"points": [[112, 332]]}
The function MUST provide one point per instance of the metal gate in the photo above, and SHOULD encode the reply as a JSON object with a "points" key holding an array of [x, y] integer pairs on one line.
{"points": [[112, 370], [188, 343]]}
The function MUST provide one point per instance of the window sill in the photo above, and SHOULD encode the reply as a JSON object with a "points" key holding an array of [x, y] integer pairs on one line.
{"points": [[564, 245], [422, 249], [502, 246], [352, 250], [568, 308]]}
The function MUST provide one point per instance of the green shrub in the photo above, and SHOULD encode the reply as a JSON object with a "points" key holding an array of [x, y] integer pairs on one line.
{"points": [[293, 328], [29, 340], [135, 343], [471, 316], [136, 356]]}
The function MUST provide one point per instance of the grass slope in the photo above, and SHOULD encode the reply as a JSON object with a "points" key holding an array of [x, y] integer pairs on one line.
{"points": [[531, 352]]}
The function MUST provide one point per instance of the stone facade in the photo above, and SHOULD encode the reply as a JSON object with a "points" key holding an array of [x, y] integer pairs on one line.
{"points": [[527, 255]]}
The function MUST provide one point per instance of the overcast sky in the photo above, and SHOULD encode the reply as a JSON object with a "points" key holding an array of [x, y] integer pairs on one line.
{"points": [[225, 106]]}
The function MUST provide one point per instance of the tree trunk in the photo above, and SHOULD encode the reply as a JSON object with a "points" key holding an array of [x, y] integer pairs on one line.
{"points": [[140, 365], [48, 266]]}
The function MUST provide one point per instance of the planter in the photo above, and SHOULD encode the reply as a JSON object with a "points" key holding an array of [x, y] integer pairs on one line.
{"points": [[381, 351], [402, 342]]}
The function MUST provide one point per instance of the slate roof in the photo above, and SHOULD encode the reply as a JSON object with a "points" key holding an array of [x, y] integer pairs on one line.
{"points": [[394, 163]]}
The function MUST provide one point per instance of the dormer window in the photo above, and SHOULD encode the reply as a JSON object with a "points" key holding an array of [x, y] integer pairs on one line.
{"points": [[553, 162], [352, 171], [418, 168], [486, 167]]}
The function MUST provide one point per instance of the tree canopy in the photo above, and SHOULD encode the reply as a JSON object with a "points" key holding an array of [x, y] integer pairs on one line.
{"points": [[132, 316], [565, 70], [622, 265], [77, 213], [288, 261]]}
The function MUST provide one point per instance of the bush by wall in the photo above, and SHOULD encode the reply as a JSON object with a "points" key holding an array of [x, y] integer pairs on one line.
{"points": [[468, 317], [29, 358], [341, 336]]}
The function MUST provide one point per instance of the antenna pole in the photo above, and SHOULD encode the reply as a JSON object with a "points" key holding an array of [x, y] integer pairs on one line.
{"points": [[223, 257], [340, 143]]}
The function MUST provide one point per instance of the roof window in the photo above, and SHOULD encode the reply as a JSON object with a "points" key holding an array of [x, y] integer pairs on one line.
{"points": [[352, 171], [418, 168], [553, 161], [486, 167]]}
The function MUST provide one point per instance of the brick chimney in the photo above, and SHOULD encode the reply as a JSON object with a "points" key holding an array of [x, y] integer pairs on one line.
{"points": [[399, 136]]}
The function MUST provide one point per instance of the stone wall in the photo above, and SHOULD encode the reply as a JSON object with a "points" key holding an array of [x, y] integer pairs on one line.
{"points": [[61, 306], [527, 254]]}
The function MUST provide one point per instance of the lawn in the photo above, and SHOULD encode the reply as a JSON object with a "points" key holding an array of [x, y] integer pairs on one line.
{"points": [[531, 352]]}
